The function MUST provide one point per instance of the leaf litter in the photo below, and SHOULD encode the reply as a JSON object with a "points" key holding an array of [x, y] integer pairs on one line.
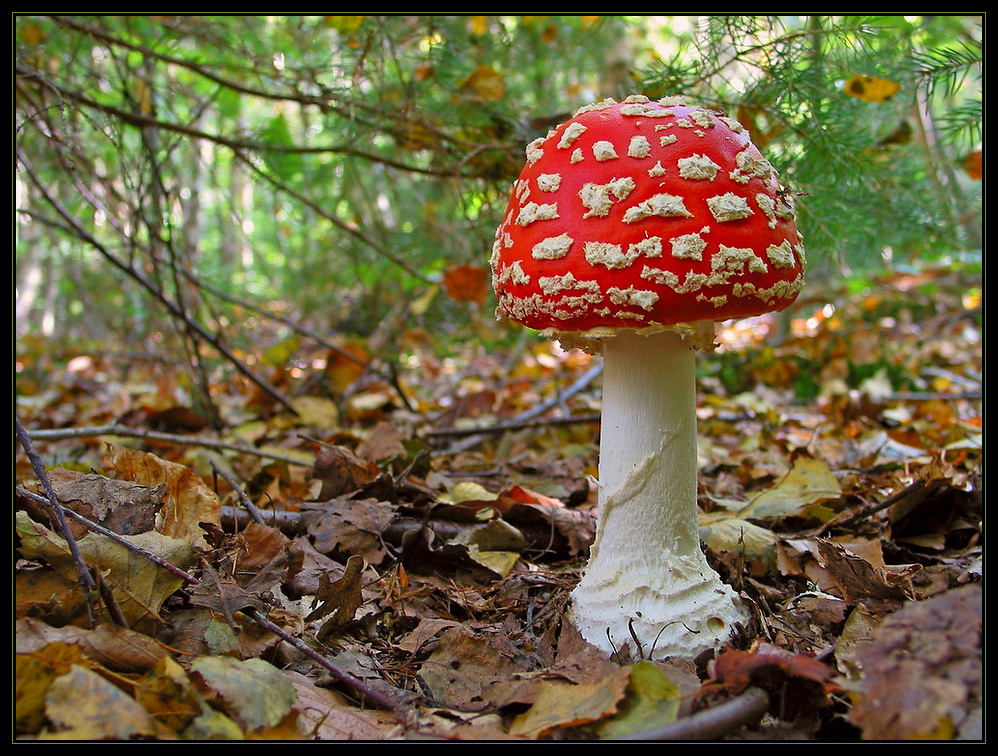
{"points": [[373, 569]]}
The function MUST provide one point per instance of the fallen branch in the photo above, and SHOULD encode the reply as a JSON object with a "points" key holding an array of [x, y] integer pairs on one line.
{"points": [[50, 500], [479, 434], [713, 723], [59, 434]]}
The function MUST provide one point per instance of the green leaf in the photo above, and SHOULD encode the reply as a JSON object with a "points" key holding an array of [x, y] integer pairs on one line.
{"points": [[652, 700], [256, 693]]}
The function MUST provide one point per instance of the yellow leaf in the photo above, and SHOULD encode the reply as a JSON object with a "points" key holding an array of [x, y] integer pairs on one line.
{"points": [[559, 704], [167, 694], [277, 355], [754, 544], [652, 699], [316, 412], [808, 482], [871, 88], [33, 674], [421, 304], [466, 491], [82, 705], [478, 24], [139, 586], [485, 84]]}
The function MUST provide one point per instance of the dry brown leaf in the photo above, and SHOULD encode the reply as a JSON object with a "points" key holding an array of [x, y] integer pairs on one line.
{"points": [[561, 705], [349, 526], [465, 665], [121, 506], [337, 601], [115, 648], [341, 471], [189, 501], [922, 671], [324, 714]]}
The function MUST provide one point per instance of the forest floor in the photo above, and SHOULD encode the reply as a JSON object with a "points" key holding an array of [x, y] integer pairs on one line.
{"points": [[394, 560]]}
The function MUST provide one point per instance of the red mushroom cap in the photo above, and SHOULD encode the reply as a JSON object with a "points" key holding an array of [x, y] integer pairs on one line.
{"points": [[638, 214]]}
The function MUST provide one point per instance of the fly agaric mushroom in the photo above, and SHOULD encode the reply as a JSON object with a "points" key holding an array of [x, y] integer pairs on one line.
{"points": [[633, 227]]}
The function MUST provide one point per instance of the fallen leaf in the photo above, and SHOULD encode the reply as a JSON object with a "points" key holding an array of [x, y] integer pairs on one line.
{"points": [[467, 283], [561, 705], [349, 526], [808, 483], [652, 699], [122, 506], [465, 665], [189, 501], [855, 578], [167, 693], [252, 691], [82, 705], [324, 714], [34, 673], [139, 585], [337, 601], [316, 412], [755, 545], [922, 671], [341, 471]]}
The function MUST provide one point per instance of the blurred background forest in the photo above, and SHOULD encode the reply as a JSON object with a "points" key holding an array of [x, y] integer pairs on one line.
{"points": [[252, 192]]}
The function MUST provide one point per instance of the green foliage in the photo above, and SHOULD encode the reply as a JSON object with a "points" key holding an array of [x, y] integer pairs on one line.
{"points": [[335, 167]]}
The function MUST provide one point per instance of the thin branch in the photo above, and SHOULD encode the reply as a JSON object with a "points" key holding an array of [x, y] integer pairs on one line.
{"points": [[59, 434], [243, 498], [150, 287], [526, 416], [52, 501], [712, 723]]}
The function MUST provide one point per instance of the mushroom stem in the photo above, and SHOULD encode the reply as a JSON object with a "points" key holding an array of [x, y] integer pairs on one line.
{"points": [[648, 582]]}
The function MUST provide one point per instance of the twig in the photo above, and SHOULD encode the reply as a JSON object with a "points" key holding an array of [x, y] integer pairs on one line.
{"points": [[58, 434], [713, 723], [580, 383], [863, 512], [361, 688], [513, 425], [116, 537], [925, 396], [86, 579], [243, 498], [151, 288]]}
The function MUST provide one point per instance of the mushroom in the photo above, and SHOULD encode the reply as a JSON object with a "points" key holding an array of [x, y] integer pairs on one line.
{"points": [[631, 230]]}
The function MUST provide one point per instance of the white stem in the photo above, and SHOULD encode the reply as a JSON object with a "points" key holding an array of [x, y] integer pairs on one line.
{"points": [[647, 576]]}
